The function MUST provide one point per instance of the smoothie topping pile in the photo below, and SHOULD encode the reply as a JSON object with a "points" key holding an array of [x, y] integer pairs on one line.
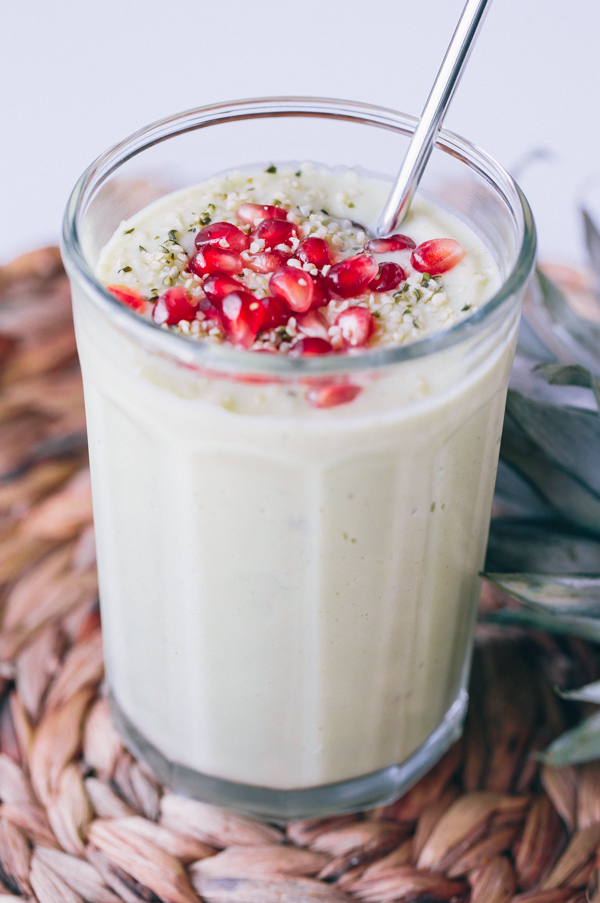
{"points": [[285, 276]]}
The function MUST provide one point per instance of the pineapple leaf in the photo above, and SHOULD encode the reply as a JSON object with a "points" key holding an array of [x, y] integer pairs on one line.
{"points": [[571, 375], [568, 436], [515, 497], [585, 333], [534, 619], [565, 488], [582, 744], [589, 693], [573, 594], [530, 344], [592, 240], [526, 546]]}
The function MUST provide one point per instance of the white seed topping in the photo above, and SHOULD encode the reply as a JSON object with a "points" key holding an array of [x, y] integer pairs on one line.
{"points": [[152, 253]]}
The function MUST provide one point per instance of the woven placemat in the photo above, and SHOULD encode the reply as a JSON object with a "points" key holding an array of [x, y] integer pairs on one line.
{"points": [[81, 819]]}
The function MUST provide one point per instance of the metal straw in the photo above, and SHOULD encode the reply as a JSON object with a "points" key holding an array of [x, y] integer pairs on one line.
{"points": [[432, 117]]}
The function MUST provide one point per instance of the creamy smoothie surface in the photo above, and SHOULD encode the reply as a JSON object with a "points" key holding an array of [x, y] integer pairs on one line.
{"points": [[288, 589], [292, 246]]}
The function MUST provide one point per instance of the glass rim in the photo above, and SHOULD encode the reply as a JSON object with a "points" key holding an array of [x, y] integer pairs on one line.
{"points": [[226, 358]]}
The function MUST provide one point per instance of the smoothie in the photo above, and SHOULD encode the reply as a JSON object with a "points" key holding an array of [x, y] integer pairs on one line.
{"points": [[289, 565], [300, 235]]}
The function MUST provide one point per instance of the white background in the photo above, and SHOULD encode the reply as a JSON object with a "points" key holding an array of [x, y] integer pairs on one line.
{"points": [[78, 76]]}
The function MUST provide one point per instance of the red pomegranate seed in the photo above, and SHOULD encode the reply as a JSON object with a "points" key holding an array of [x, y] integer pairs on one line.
{"points": [[266, 261], [314, 324], [310, 346], [226, 235], [351, 276], [356, 325], [294, 285], [211, 258], [331, 394], [217, 285], [314, 250], [242, 317], [211, 308], [274, 232], [249, 213], [254, 379], [386, 245], [437, 256], [173, 306], [390, 276], [277, 313], [129, 297], [321, 292]]}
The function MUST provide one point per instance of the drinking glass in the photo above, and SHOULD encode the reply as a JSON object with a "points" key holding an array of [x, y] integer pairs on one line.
{"points": [[288, 592]]}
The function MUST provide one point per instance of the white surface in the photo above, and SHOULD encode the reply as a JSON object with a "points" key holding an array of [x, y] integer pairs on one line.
{"points": [[78, 77]]}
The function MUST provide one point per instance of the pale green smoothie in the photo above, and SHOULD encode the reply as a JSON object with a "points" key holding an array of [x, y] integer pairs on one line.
{"points": [[288, 592]]}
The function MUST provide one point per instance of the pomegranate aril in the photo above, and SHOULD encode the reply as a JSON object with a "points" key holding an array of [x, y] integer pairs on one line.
{"points": [[314, 324], [320, 292], [390, 276], [350, 277], [249, 213], [277, 313], [226, 235], [211, 258], [242, 316], [437, 256], [294, 285], [266, 261], [129, 297], [173, 306], [387, 245], [211, 308], [310, 346], [356, 325], [314, 250], [217, 285], [331, 394], [274, 232]]}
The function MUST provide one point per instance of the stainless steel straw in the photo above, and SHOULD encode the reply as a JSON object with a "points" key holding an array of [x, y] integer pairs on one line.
{"points": [[432, 117]]}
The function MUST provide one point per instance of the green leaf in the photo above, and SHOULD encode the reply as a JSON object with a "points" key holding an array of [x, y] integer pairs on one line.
{"points": [[573, 594], [532, 619], [592, 240], [531, 345], [567, 435], [515, 497], [566, 492], [540, 547], [582, 744], [589, 693], [585, 333], [571, 375]]}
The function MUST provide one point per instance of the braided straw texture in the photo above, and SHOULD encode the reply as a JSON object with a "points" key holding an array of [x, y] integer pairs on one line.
{"points": [[82, 820]]}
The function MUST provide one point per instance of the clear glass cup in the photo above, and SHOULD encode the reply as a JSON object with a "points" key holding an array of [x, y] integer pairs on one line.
{"points": [[288, 593]]}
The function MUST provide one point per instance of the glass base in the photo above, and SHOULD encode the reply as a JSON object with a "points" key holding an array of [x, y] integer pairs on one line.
{"points": [[377, 788]]}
